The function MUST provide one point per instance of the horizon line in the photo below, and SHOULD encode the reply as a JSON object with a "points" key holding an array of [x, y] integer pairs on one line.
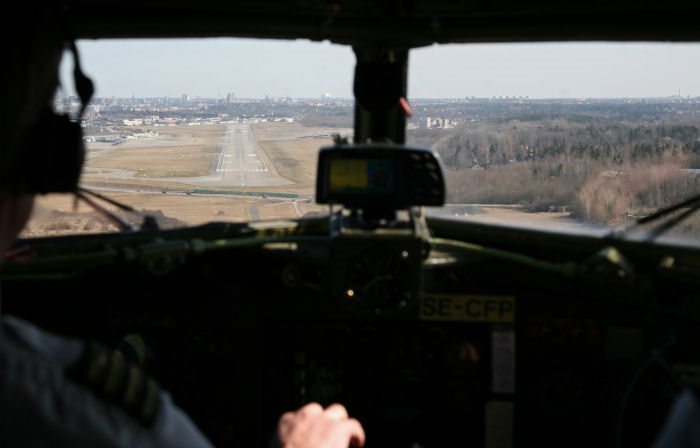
{"points": [[331, 99]]}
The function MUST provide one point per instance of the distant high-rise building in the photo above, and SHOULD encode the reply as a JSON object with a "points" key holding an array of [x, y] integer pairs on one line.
{"points": [[185, 97]]}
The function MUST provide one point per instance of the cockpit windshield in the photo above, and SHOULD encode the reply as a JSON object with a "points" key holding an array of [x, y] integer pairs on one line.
{"points": [[578, 137]]}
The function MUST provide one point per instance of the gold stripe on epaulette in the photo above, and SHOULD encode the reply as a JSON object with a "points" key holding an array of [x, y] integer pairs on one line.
{"points": [[115, 375], [137, 343], [151, 402], [97, 365], [133, 386]]}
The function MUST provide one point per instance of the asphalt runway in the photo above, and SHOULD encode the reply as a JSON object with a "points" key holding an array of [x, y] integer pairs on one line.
{"points": [[239, 162]]}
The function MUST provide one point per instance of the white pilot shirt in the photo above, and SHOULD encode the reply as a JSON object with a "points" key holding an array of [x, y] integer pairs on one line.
{"points": [[682, 428], [41, 406]]}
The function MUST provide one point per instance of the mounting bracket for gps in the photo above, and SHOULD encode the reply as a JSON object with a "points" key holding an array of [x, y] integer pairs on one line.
{"points": [[378, 236]]}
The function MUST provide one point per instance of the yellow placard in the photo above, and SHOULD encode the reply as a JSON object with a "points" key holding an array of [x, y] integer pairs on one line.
{"points": [[467, 308]]}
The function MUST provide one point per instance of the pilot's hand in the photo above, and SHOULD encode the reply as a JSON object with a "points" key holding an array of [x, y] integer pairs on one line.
{"points": [[313, 427]]}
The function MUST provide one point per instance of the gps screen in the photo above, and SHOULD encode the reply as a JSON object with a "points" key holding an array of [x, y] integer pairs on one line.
{"points": [[362, 176]]}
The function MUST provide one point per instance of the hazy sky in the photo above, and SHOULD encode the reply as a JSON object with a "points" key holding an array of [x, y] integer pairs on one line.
{"points": [[255, 68]]}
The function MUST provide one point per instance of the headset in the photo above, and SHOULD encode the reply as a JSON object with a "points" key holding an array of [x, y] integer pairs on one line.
{"points": [[53, 159]]}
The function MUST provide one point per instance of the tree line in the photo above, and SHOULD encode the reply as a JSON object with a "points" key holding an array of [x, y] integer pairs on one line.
{"points": [[604, 172]]}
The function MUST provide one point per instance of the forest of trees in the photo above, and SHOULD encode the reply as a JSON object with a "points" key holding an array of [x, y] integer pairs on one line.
{"points": [[603, 168]]}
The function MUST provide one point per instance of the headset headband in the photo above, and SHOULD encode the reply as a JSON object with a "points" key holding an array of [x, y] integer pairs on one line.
{"points": [[83, 84]]}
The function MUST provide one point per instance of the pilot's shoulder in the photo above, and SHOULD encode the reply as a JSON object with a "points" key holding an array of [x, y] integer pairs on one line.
{"points": [[71, 392]]}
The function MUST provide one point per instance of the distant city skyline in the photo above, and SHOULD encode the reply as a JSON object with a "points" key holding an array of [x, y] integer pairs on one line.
{"points": [[246, 68]]}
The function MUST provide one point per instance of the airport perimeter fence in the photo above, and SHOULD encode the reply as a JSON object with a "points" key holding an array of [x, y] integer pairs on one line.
{"points": [[247, 193], [132, 187], [142, 188]]}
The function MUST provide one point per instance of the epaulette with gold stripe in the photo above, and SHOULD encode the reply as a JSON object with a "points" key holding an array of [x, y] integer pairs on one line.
{"points": [[115, 379]]}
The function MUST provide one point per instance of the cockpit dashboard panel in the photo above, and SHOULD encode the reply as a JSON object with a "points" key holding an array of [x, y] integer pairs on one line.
{"points": [[506, 346]]}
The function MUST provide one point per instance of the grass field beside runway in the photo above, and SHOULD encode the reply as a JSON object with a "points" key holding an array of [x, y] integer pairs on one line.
{"points": [[166, 161]]}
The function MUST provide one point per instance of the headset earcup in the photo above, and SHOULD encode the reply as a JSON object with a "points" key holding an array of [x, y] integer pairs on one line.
{"points": [[54, 157]]}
